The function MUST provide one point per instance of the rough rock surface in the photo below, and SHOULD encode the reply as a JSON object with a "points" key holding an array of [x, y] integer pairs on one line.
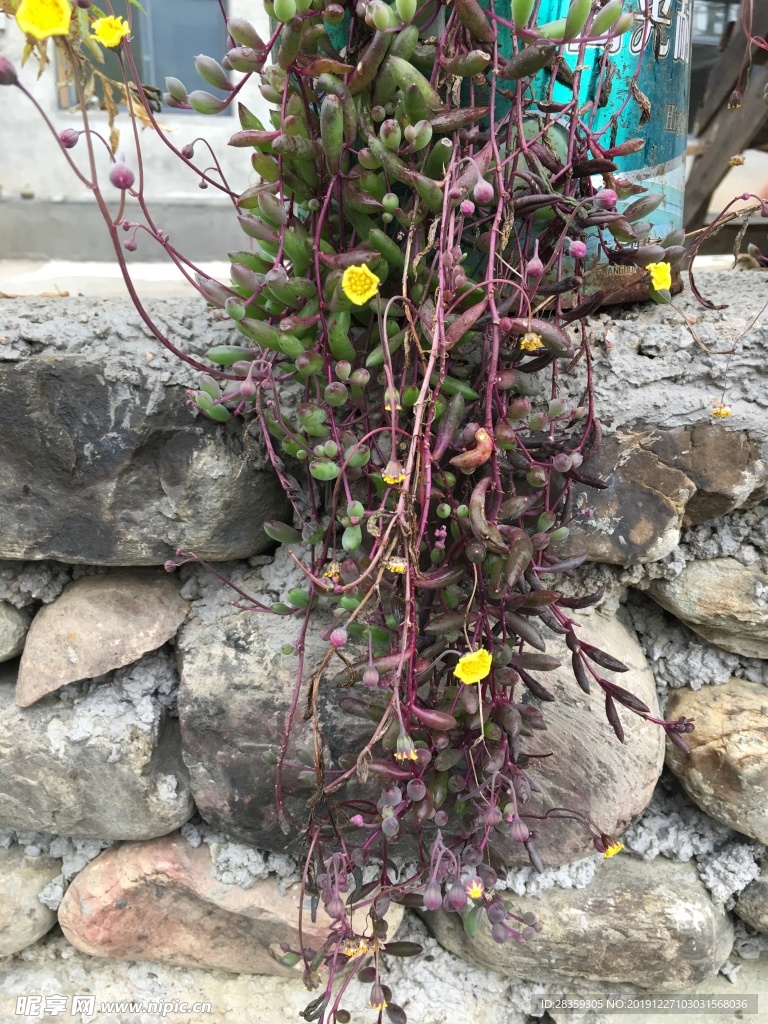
{"points": [[723, 601], [102, 462], [13, 630], [236, 689], [752, 904], [23, 918], [649, 369], [98, 765], [638, 516], [725, 465], [726, 773], [162, 901], [99, 623], [660, 481], [650, 925]]}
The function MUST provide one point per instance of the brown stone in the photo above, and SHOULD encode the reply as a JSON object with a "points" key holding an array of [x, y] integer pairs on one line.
{"points": [[717, 598], [726, 773], [724, 464], [97, 624], [658, 482], [752, 904], [589, 771], [650, 924], [162, 901], [638, 516]]}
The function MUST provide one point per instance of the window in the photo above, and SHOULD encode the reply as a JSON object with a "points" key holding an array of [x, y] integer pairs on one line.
{"points": [[164, 43]]}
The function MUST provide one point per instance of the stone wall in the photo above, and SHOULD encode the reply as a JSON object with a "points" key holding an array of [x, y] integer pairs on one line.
{"points": [[139, 848]]}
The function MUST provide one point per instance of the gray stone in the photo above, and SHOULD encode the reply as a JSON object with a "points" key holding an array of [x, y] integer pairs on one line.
{"points": [[23, 918], [746, 982], [13, 630], [235, 692], [726, 772], [752, 904], [677, 384], [646, 924], [721, 600], [96, 766], [103, 463], [97, 624]]}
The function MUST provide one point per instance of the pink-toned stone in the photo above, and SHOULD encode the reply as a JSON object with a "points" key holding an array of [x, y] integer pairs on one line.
{"points": [[160, 900], [97, 624]]}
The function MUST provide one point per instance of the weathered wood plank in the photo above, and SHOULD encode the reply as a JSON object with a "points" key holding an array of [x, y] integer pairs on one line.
{"points": [[734, 132]]}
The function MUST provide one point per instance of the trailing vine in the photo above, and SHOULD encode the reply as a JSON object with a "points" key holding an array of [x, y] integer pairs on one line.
{"points": [[412, 290]]}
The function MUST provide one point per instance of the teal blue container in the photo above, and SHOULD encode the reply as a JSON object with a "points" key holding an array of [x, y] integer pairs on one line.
{"points": [[661, 48]]}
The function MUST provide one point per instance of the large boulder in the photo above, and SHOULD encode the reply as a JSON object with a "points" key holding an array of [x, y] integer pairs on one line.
{"points": [[97, 624], [102, 462], [163, 901], [726, 772], [647, 924], [105, 765], [23, 918], [721, 600]]}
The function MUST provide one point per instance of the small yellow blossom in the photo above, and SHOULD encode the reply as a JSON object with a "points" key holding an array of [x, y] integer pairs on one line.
{"points": [[530, 342], [359, 284], [721, 411], [473, 666], [110, 31], [44, 18], [661, 276], [474, 888], [394, 473], [355, 946], [398, 565], [332, 571], [613, 849], [405, 750], [736, 161]]}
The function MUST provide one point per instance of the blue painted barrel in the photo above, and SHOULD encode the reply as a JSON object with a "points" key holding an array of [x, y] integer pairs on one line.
{"points": [[659, 46]]}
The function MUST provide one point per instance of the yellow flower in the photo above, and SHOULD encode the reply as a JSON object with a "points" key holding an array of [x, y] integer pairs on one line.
{"points": [[359, 284], [394, 473], [661, 276], [721, 411], [405, 749], [398, 565], [530, 342], [110, 31], [332, 571], [736, 161], [474, 888], [43, 18], [474, 666], [613, 849]]}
